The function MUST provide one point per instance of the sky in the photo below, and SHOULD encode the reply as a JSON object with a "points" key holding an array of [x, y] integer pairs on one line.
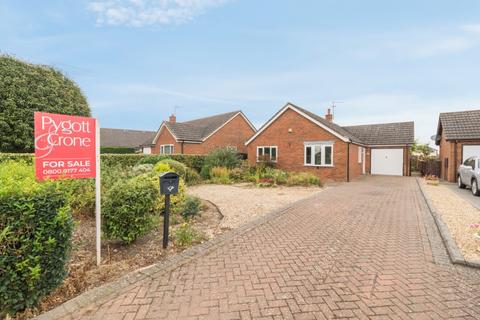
{"points": [[137, 61]]}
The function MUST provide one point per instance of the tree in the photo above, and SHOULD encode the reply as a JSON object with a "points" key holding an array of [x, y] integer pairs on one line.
{"points": [[26, 88], [423, 150]]}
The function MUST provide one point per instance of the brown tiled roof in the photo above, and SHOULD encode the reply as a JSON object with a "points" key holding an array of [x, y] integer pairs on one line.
{"points": [[335, 127], [397, 133], [124, 138], [460, 125], [199, 129]]}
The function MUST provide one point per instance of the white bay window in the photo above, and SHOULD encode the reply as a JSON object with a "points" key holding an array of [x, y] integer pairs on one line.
{"points": [[319, 153]]}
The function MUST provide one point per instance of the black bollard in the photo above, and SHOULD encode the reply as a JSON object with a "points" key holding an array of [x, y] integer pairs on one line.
{"points": [[166, 221]]}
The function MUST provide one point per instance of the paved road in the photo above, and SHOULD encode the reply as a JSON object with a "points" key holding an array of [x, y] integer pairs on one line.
{"points": [[464, 194], [366, 250]]}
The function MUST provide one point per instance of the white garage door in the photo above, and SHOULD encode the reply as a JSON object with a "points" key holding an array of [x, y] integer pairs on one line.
{"points": [[470, 151], [387, 162]]}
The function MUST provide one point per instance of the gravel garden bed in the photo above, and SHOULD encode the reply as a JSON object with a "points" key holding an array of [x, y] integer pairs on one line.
{"points": [[460, 216], [241, 203]]}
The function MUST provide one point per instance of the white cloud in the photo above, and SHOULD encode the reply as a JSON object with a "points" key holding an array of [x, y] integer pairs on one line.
{"points": [[472, 28], [138, 13]]}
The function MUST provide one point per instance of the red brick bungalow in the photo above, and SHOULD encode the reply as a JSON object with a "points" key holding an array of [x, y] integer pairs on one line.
{"points": [[299, 140], [458, 135], [200, 136]]}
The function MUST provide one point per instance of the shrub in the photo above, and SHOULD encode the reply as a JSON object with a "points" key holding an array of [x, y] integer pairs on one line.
{"points": [[25, 157], [191, 161], [222, 157], [176, 166], [129, 207], [142, 168], [186, 235], [192, 177], [191, 207], [220, 175], [81, 196], [26, 88], [237, 175], [35, 237], [303, 179], [162, 167]]}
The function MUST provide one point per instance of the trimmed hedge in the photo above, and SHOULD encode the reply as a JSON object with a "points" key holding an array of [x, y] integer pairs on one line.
{"points": [[26, 88], [26, 157], [35, 237], [117, 150], [129, 208], [126, 160]]}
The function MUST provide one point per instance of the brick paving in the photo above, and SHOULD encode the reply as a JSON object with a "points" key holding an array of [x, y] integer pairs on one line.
{"points": [[367, 250]]}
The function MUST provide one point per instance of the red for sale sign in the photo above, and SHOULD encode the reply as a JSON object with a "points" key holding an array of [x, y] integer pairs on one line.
{"points": [[65, 146]]}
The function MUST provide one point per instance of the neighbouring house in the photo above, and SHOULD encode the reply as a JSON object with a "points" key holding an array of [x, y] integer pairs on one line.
{"points": [[111, 139], [200, 136], [296, 139], [458, 135]]}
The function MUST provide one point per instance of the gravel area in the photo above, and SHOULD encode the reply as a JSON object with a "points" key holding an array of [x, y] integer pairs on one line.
{"points": [[458, 214], [242, 203]]}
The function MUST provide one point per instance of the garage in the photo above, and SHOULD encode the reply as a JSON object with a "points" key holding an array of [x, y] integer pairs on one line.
{"points": [[470, 151], [387, 162]]}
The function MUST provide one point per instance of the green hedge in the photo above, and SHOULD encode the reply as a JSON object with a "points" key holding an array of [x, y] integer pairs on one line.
{"points": [[193, 161], [27, 157], [35, 237], [117, 150]]}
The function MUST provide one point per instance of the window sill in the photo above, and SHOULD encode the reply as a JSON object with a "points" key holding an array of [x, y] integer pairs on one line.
{"points": [[319, 166]]}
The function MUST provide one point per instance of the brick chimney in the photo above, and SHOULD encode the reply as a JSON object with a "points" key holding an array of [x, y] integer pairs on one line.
{"points": [[172, 119], [329, 115]]}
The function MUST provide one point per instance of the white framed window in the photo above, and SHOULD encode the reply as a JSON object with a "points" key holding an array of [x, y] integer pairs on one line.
{"points": [[319, 154], [269, 153], [166, 149], [232, 148], [361, 152]]}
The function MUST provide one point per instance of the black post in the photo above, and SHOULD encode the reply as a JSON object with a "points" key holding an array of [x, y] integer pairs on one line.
{"points": [[166, 221]]}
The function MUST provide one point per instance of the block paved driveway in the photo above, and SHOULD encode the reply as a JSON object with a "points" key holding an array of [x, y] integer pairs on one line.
{"points": [[368, 249]]}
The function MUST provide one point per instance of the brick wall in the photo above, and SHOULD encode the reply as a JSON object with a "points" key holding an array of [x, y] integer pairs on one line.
{"points": [[291, 146], [165, 137], [355, 166], [447, 150]]}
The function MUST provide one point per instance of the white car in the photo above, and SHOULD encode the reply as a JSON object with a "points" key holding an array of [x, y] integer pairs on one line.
{"points": [[468, 174]]}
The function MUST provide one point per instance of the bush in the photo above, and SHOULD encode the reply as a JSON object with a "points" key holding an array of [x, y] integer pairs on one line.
{"points": [[192, 161], [237, 175], [129, 207], [25, 157], [35, 237], [142, 168], [220, 175], [177, 167], [186, 235], [26, 88], [192, 177], [191, 207], [303, 179], [81, 196], [162, 167], [222, 157]]}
